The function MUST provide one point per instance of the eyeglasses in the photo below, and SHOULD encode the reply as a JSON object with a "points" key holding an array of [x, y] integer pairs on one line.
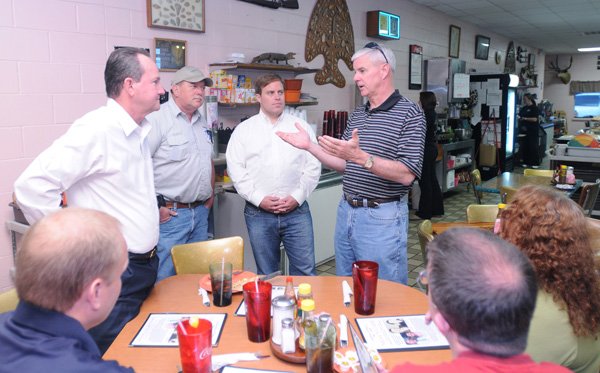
{"points": [[423, 280], [373, 45]]}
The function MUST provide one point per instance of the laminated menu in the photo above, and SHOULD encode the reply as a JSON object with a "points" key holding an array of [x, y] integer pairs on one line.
{"points": [[160, 329], [398, 333]]}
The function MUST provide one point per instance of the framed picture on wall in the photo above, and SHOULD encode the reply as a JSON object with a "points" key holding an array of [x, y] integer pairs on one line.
{"points": [[482, 47], [454, 42], [185, 15], [169, 54], [531, 60], [415, 67]]}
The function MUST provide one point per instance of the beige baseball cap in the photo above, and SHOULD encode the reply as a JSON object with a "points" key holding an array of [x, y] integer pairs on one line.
{"points": [[192, 75]]}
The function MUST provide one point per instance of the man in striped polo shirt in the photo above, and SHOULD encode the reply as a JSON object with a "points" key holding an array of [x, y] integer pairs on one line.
{"points": [[380, 154]]}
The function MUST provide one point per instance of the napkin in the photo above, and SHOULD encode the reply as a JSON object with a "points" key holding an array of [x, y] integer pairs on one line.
{"points": [[343, 331], [219, 361], [347, 292]]}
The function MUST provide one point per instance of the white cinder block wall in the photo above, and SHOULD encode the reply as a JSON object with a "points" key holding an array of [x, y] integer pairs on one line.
{"points": [[53, 55]]}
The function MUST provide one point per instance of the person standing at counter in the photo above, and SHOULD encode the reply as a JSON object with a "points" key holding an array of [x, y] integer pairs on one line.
{"points": [[180, 143], [68, 276], [372, 217], [275, 179], [529, 123], [103, 163], [431, 202]]}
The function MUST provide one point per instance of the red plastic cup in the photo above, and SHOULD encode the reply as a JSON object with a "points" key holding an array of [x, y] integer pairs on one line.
{"points": [[195, 346], [257, 297], [364, 276]]}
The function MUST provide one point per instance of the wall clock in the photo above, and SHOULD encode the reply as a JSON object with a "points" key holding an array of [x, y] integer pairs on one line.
{"points": [[498, 57]]}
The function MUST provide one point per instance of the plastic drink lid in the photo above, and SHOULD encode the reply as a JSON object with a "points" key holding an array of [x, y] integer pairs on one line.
{"points": [[307, 305], [304, 289]]}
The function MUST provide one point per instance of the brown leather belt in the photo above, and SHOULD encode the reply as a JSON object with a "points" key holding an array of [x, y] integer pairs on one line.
{"points": [[181, 205], [145, 256], [368, 202]]}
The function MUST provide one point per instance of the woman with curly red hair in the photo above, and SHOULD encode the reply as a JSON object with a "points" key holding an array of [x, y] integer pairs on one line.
{"points": [[552, 231]]}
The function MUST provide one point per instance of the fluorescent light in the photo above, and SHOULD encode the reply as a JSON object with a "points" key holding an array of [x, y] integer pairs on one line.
{"points": [[593, 49]]}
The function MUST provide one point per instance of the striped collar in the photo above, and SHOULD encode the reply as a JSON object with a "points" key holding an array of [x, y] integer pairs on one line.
{"points": [[387, 104]]}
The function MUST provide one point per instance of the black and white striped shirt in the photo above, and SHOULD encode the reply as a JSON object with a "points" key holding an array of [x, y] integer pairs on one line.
{"points": [[394, 130]]}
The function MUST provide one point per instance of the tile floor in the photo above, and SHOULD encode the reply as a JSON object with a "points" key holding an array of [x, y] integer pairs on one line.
{"points": [[455, 207]]}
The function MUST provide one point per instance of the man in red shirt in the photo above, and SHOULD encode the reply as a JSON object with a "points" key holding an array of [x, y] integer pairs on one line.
{"points": [[482, 293]]}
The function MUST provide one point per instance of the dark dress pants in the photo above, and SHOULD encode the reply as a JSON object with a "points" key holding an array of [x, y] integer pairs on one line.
{"points": [[531, 156], [138, 280]]}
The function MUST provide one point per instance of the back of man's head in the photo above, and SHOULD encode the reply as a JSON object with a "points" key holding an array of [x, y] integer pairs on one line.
{"points": [[484, 287], [62, 253], [121, 64]]}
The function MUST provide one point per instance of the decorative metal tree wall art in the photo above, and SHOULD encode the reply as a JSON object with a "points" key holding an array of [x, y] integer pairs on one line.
{"points": [[330, 34]]}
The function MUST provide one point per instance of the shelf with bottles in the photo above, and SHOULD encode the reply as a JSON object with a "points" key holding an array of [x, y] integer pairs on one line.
{"points": [[236, 90]]}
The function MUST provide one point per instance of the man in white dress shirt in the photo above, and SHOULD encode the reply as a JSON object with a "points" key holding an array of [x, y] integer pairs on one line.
{"points": [[181, 146], [103, 163], [275, 179]]}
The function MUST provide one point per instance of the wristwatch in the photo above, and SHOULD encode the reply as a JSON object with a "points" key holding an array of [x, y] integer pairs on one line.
{"points": [[369, 163]]}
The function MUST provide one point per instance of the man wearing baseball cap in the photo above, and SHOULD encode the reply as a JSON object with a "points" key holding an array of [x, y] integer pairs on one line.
{"points": [[181, 147]]}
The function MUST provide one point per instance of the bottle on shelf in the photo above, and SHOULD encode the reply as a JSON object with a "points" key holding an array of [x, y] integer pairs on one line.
{"points": [[308, 323], [498, 222]]}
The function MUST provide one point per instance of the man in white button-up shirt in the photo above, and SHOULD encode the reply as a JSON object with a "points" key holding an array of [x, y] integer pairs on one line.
{"points": [[275, 179], [103, 163]]}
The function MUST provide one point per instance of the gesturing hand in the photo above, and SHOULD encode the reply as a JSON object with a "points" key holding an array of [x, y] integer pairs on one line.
{"points": [[347, 150], [299, 139]]}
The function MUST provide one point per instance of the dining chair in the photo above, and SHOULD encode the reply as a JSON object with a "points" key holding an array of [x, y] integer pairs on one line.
{"points": [[538, 172], [195, 257], [476, 181], [425, 233], [507, 193], [588, 197], [8, 300], [482, 213]]}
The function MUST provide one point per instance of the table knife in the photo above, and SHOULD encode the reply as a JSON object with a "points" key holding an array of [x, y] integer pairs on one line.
{"points": [[270, 276], [347, 292], [343, 330]]}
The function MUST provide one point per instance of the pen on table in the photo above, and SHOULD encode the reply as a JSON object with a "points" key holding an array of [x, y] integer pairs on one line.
{"points": [[202, 292], [347, 292]]}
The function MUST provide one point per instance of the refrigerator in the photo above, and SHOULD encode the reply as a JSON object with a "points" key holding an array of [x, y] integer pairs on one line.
{"points": [[497, 106]]}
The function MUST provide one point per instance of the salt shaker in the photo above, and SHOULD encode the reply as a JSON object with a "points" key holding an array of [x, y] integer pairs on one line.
{"points": [[283, 308], [288, 336]]}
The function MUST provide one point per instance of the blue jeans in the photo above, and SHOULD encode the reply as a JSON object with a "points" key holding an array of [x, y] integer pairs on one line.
{"points": [[267, 231], [138, 280], [189, 225], [373, 233]]}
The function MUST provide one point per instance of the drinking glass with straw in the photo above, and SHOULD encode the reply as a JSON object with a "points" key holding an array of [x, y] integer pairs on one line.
{"points": [[221, 282]]}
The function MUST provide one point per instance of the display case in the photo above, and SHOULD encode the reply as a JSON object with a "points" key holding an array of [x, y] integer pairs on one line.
{"points": [[456, 163]]}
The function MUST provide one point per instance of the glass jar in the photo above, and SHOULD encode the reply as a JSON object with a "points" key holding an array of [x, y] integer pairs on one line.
{"points": [[288, 336], [283, 308], [320, 345]]}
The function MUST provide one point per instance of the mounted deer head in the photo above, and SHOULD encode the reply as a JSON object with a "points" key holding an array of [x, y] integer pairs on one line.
{"points": [[562, 74]]}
